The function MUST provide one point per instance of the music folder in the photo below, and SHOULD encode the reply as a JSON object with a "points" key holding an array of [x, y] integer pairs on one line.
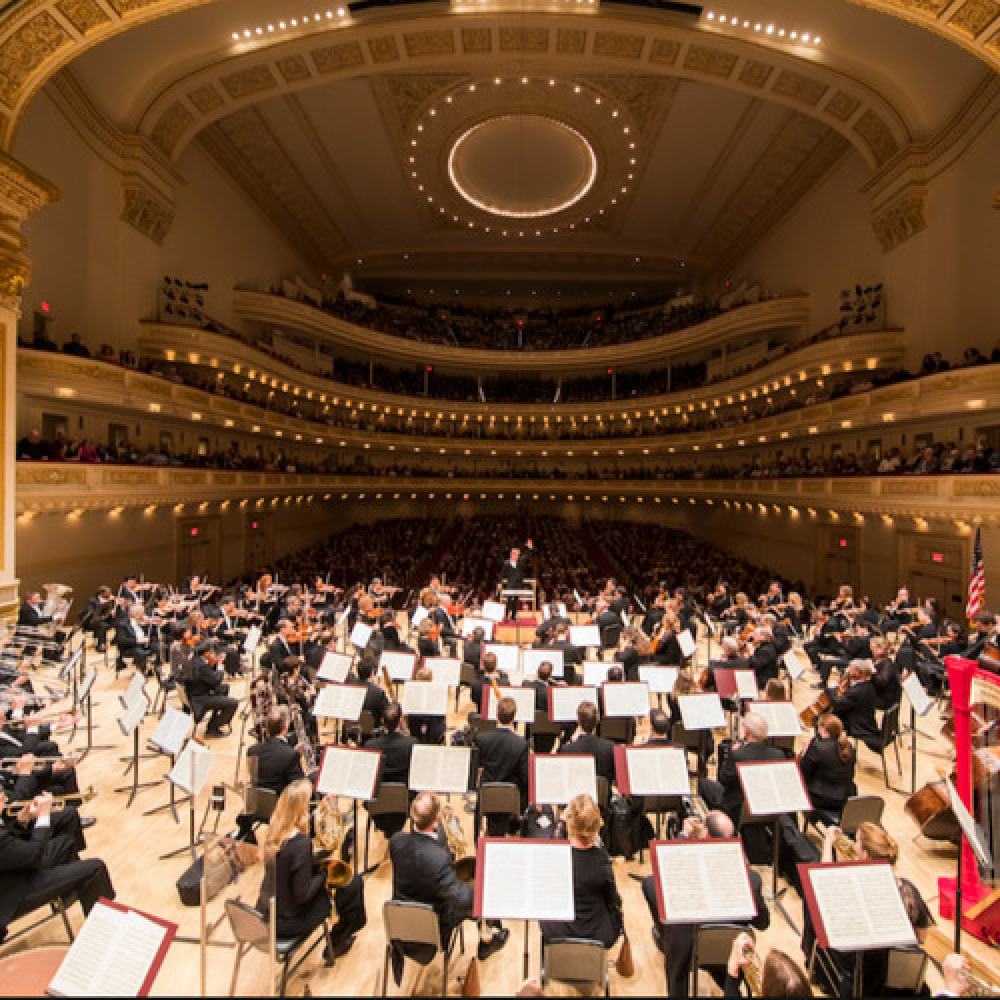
{"points": [[192, 768], [171, 731], [856, 905], [686, 643], [773, 787], [625, 699], [564, 701], [585, 635], [134, 713], [508, 657], [494, 611], [340, 701], [661, 680], [555, 778], [349, 771], [782, 717], [400, 665], [334, 667], [644, 770], [701, 711], [524, 698], [524, 879], [252, 639], [735, 683], [595, 672], [702, 881], [916, 693], [469, 625], [795, 661], [424, 698], [440, 769], [531, 659], [445, 670], [117, 953], [360, 634]]}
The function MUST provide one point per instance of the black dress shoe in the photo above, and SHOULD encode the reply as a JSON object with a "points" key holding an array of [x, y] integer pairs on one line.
{"points": [[495, 943], [86, 822]]}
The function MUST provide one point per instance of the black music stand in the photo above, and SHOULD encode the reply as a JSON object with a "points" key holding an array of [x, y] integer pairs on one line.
{"points": [[130, 723], [185, 776]]}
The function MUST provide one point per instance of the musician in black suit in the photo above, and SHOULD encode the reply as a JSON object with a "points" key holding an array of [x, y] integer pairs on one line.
{"points": [[542, 682], [571, 654], [207, 692], [487, 675], [764, 660], [428, 729], [514, 572], [36, 868], [827, 764], [503, 756], [856, 706], [396, 746], [548, 626], [301, 898], [676, 940], [98, 616], [659, 729], [282, 645], [231, 639], [376, 700], [588, 742], [886, 679], [31, 614], [273, 763], [472, 648], [597, 904], [133, 640]]}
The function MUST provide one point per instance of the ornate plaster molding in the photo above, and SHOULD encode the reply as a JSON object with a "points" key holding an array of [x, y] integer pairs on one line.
{"points": [[901, 218]]}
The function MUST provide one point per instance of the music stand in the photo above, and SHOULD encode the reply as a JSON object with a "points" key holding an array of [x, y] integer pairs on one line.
{"points": [[172, 730], [129, 722], [920, 704], [351, 772], [189, 774], [971, 833], [85, 697]]}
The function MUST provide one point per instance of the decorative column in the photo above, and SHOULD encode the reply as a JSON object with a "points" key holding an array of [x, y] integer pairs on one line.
{"points": [[21, 192]]}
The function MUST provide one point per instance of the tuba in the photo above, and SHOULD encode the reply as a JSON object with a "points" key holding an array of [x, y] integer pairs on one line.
{"points": [[463, 861], [329, 833]]}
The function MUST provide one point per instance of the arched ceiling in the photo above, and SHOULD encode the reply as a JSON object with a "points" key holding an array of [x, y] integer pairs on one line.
{"points": [[701, 135]]}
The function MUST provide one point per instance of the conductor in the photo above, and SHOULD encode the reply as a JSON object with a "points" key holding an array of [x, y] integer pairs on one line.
{"points": [[513, 573]]}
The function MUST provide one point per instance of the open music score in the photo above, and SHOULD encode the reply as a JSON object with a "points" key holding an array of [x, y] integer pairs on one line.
{"points": [[585, 635], [701, 711], [524, 698], [349, 771], [136, 687], [440, 769], [773, 788], [494, 611], [334, 667], [652, 770], [531, 659], [564, 701], [856, 905], [661, 680], [171, 731], [686, 643], [252, 639], [782, 717], [424, 698], [117, 953], [399, 665], [418, 616], [554, 779], [192, 768], [524, 879], [795, 660], [970, 828], [625, 700], [445, 670], [339, 701], [916, 693], [86, 686], [595, 672], [470, 624], [702, 881], [135, 711], [730, 683], [508, 657], [360, 635]]}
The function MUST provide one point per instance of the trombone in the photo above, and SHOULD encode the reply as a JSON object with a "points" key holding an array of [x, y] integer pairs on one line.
{"points": [[39, 763], [752, 970], [76, 798]]}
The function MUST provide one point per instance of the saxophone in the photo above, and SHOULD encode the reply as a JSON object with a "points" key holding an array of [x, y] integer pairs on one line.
{"points": [[463, 862], [329, 833]]}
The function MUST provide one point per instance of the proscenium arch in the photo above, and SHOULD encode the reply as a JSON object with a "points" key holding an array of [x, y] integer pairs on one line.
{"points": [[39, 37]]}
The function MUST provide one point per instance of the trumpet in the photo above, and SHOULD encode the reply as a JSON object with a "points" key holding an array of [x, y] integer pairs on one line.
{"points": [[77, 798], [752, 971], [39, 763]]}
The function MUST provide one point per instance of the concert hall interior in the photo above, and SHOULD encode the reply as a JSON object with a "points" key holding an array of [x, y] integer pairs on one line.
{"points": [[649, 336]]}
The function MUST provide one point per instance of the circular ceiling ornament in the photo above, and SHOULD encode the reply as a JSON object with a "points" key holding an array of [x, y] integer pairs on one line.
{"points": [[522, 166]]}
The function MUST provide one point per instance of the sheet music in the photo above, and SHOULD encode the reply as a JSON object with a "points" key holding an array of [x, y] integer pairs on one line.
{"points": [[773, 787], [782, 717], [469, 625], [340, 701], [703, 881], [252, 639], [661, 680], [657, 770], [531, 658], [444, 670], [595, 672], [971, 829], [172, 730], [192, 768], [136, 687], [561, 608], [343, 618], [418, 616], [792, 660], [508, 657], [348, 771], [916, 693], [585, 635], [134, 714], [526, 881], [494, 611], [424, 698], [746, 684], [85, 686], [360, 634], [626, 700], [524, 697], [439, 769], [111, 956], [860, 907], [563, 701], [559, 777], [686, 643], [701, 711], [399, 665], [334, 667]]}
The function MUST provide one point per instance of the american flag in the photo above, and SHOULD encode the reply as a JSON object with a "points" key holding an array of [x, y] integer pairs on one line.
{"points": [[977, 580]]}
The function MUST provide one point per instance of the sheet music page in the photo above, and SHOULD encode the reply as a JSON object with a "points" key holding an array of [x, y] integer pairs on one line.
{"points": [[916, 693], [782, 717], [334, 667], [508, 656], [399, 665], [585, 635], [860, 906], [661, 680], [658, 771], [439, 769], [134, 713], [565, 701], [111, 955], [85, 686], [703, 882], [746, 684], [774, 787], [348, 772], [424, 698], [793, 663], [469, 625], [701, 711], [171, 732], [559, 778], [524, 698], [595, 672], [628, 700], [531, 658], [252, 639], [561, 608], [136, 687], [339, 701], [686, 642], [494, 611], [343, 618], [527, 881], [360, 634], [444, 670], [418, 616], [974, 834]]}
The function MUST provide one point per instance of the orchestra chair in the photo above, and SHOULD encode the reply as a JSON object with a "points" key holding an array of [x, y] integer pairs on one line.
{"points": [[616, 729], [57, 908], [187, 705], [259, 804], [166, 684], [857, 809], [497, 799], [888, 736], [710, 946], [543, 726], [907, 967], [577, 961], [478, 724], [693, 742], [416, 923], [660, 806], [364, 727], [611, 636], [251, 930], [603, 793], [466, 675], [392, 799]]}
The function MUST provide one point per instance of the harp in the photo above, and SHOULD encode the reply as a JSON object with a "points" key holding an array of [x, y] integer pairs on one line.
{"points": [[975, 697]]}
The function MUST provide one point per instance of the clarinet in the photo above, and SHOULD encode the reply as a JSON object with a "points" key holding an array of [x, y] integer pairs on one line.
{"points": [[305, 744]]}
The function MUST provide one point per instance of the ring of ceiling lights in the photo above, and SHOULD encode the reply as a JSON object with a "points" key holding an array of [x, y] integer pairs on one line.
{"points": [[598, 135]]}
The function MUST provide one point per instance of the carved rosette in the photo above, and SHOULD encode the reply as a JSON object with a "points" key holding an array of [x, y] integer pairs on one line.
{"points": [[900, 219]]}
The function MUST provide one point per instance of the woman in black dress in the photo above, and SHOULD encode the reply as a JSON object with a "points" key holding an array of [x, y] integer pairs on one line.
{"points": [[827, 766]]}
